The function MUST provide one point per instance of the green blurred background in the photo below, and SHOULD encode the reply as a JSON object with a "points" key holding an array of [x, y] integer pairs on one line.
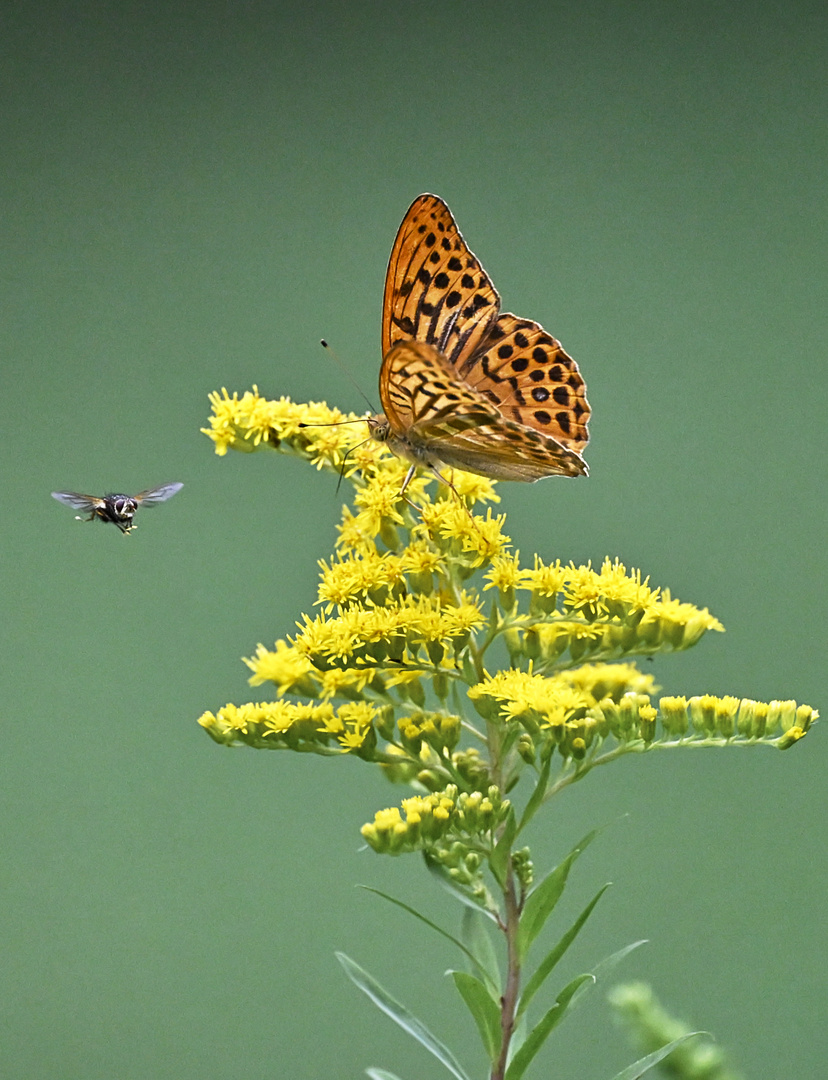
{"points": [[193, 195]]}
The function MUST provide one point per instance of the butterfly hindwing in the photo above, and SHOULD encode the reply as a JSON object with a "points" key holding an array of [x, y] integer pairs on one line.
{"points": [[525, 372], [428, 407]]}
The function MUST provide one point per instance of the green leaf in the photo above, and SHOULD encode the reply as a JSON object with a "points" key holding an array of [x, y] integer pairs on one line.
{"points": [[380, 1074], [400, 1015], [605, 966], [484, 1009], [428, 922], [546, 966], [542, 899], [467, 672], [476, 935], [543, 1029], [638, 1068], [537, 795], [499, 858]]}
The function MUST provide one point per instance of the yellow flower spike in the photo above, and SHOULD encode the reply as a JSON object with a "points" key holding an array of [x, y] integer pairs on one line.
{"points": [[474, 488], [609, 680]]}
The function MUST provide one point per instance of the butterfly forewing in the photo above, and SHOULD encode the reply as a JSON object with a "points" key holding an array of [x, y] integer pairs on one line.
{"points": [[436, 291]]}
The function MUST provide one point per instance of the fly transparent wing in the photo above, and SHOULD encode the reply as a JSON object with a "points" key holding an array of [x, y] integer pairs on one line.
{"points": [[158, 494], [78, 501]]}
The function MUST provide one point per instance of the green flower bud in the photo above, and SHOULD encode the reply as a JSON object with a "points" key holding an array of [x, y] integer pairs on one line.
{"points": [[416, 692], [436, 651], [555, 642], [401, 772], [507, 600], [389, 535], [421, 583], [485, 706], [430, 780], [531, 644], [440, 684], [526, 748], [514, 645], [578, 748]]}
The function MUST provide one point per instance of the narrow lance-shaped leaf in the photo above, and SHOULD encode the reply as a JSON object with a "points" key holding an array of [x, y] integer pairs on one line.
{"points": [[545, 1026], [484, 1010], [536, 798], [605, 966], [400, 1015], [380, 1074], [475, 932], [643, 1065], [428, 922], [542, 900], [549, 962]]}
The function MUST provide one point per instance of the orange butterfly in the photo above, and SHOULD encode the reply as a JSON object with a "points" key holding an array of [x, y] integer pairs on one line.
{"points": [[463, 385]]}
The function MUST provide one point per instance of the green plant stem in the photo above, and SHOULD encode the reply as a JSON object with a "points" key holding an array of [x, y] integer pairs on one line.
{"points": [[509, 1001]]}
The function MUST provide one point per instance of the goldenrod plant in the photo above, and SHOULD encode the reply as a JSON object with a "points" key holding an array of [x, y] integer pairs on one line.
{"points": [[487, 685]]}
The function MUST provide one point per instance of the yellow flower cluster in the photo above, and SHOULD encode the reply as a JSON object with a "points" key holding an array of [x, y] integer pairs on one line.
{"points": [[446, 823], [575, 710], [373, 633], [401, 637], [283, 725], [313, 431]]}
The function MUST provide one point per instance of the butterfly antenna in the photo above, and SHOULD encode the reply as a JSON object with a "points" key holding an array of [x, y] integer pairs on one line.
{"points": [[345, 462], [348, 375]]}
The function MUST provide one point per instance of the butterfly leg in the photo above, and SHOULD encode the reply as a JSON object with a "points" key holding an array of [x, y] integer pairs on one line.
{"points": [[408, 477]]}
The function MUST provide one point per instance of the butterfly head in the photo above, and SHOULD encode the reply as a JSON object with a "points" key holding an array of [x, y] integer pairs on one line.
{"points": [[379, 428]]}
